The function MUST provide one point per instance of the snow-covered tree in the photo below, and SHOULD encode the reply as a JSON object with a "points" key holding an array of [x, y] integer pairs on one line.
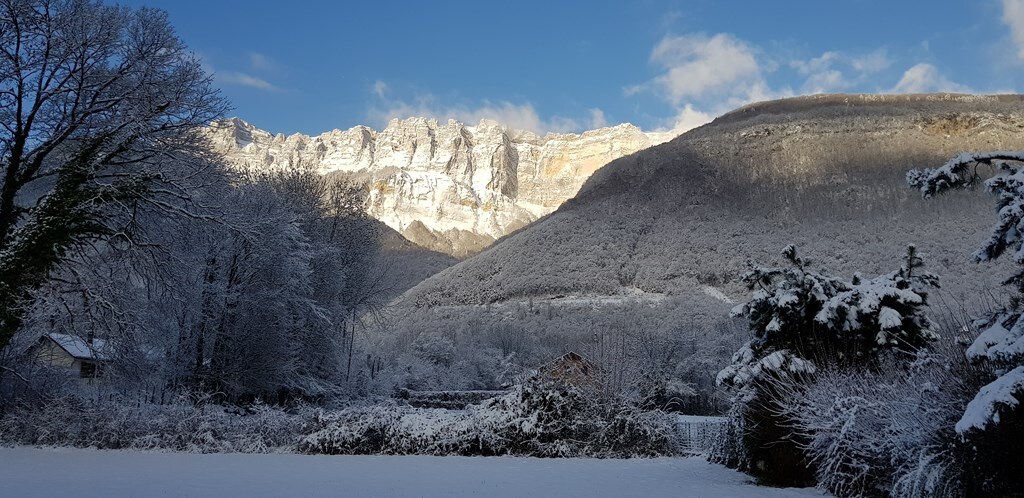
{"points": [[1001, 340], [96, 102], [804, 321], [995, 417], [798, 312]]}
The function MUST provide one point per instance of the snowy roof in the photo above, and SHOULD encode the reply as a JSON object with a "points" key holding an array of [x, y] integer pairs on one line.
{"points": [[79, 348]]}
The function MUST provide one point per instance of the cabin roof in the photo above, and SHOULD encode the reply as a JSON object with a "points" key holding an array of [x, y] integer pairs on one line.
{"points": [[571, 356], [79, 348]]}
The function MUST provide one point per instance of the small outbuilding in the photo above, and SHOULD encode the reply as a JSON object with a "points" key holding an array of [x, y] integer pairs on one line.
{"points": [[83, 358], [572, 369]]}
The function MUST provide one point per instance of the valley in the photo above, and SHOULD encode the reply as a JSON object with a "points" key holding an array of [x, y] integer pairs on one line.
{"points": [[658, 248]]}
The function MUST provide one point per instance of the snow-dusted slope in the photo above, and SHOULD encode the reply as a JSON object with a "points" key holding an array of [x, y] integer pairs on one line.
{"points": [[446, 186], [826, 173]]}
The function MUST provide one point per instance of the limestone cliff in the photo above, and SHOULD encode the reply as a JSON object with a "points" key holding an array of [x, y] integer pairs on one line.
{"points": [[446, 186]]}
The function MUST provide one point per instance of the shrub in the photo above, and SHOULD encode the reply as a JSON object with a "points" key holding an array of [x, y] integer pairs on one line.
{"points": [[181, 426], [887, 431], [536, 419]]}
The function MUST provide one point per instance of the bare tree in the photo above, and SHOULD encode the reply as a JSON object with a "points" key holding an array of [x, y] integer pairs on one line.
{"points": [[95, 102]]}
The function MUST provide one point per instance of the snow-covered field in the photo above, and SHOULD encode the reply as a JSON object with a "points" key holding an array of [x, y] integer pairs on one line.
{"points": [[26, 472]]}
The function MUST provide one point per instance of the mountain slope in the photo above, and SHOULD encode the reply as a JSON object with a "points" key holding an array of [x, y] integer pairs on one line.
{"points": [[446, 186], [401, 264], [824, 172]]}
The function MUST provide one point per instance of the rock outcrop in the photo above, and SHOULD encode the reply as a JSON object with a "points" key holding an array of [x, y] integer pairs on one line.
{"points": [[446, 186]]}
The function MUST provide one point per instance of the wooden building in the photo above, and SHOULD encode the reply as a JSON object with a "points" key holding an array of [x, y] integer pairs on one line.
{"points": [[82, 358], [571, 369]]}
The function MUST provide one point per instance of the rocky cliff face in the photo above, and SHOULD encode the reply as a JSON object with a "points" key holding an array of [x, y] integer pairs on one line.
{"points": [[446, 186]]}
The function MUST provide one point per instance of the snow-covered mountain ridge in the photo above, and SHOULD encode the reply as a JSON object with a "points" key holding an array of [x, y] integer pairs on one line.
{"points": [[446, 186]]}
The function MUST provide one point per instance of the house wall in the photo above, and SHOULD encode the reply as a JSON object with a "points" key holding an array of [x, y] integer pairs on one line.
{"points": [[50, 353], [570, 372]]}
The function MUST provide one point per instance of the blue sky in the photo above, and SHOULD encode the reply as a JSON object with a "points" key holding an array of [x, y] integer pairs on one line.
{"points": [[313, 66]]}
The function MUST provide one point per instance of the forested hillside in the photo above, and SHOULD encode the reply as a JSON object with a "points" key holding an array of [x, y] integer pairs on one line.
{"points": [[648, 257], [826, 173]]}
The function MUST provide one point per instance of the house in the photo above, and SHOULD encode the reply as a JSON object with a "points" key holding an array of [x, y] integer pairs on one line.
{"points": [[572, 369], [83, 358]]}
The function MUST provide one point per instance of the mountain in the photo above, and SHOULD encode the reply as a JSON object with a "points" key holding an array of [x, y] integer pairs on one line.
{"points": [[824, 172], [445, 186], [401, 264]]}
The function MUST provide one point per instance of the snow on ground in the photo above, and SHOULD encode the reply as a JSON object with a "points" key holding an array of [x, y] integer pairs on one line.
{"points": [[717, 294], [27, 472]]}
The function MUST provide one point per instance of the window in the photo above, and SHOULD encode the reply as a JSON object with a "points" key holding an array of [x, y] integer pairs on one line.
{"points": [[90, 370]]}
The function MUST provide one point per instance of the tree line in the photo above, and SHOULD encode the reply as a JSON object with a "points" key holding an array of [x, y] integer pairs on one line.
{"points": [[117, 221]]}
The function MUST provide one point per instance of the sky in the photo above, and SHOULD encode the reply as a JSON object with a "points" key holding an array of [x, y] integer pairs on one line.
{"points": [[559, 66]]}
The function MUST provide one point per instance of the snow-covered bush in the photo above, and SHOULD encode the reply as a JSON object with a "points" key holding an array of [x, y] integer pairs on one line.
{"points": [[184, 425], [992, 426], [534, 419], [804, 322], [885, 431]]}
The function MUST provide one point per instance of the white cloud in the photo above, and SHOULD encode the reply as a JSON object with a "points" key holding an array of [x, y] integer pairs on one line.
{"points": [[825, 82], [1013, 16], [670, 19], [874, 62], [925, 78], [819, 74], [690, 118], [835, 71], [260, 62], [243, 79], [816, 65], [380, 88], [515, 116], [697, 66], [704, 76], [597, 119]]}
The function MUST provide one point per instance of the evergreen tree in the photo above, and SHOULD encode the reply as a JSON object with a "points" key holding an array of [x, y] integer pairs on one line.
{"points": [[802, 321], [992, 426], [830, 321]]}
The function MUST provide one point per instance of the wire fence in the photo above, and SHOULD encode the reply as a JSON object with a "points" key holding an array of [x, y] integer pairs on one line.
{"points": [[696, 434]]}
